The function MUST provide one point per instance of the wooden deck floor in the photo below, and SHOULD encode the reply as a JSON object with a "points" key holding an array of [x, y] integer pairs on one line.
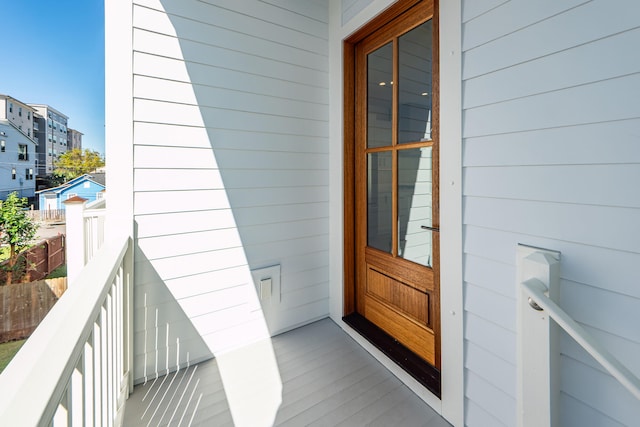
{"points": [[328, 380]]}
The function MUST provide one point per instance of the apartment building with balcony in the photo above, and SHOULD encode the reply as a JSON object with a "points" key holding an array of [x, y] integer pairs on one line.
{"points": [[52, 136]]}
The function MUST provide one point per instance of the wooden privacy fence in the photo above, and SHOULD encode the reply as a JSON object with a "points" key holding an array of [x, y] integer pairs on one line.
{"points": [[39, 261], [24, 305], [48, 215]]}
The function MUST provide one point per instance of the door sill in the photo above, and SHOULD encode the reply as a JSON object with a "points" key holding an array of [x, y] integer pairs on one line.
{"points": [[422, 371]]}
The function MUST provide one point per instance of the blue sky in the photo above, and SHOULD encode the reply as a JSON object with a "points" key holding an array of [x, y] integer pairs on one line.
{"points": [[53, 53]]}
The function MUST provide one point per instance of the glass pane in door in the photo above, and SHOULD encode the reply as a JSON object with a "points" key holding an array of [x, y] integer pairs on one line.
{"points": [[379, 96], [379, 200], [415, 201], [415, 84]]}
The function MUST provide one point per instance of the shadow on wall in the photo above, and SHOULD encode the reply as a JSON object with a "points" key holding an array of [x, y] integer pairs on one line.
{"points": [[259, 107], [165, 339], [165, 336], [194, 287], [180, 313]]}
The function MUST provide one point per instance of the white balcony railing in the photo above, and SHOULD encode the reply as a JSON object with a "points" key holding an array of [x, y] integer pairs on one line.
{"points": [[74, 369], [85, 233], [536, 289], [94, 218], [538, 349]]}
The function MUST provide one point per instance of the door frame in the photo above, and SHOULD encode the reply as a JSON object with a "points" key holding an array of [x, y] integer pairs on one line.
{"points": [[451, 403]]}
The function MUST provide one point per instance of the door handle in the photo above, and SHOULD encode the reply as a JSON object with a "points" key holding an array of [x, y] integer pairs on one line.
{"points": [[426, 227]]}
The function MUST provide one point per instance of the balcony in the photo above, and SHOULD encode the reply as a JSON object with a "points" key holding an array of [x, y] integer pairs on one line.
{"points": [[312, 375], [327, 379]]}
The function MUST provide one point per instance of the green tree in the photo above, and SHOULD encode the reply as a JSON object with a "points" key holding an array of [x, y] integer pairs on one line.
{"points": [[17, 229], [77, 162]]}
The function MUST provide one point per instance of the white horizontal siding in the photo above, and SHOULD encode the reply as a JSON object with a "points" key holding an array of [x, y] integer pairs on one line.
{"points": [[578, 414], [509, 17], [551, 159], [581, 263], [164, 134], [230, 117], [491, 399], [582, 144], [350, 8], [566, 25], [473, 9], [579, 184], [568, 107], [575, 67]]}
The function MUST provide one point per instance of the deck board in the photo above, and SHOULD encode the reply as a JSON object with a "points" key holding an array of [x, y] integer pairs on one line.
{"points": [[328, 380]]}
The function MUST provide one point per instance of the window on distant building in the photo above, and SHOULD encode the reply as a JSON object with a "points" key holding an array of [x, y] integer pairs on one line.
{"points": [[19, 111], [49, 122], [10, 107], [3, 146], [28, 174], [23, 154], [28, 132], [28, 115], [13, 173]]}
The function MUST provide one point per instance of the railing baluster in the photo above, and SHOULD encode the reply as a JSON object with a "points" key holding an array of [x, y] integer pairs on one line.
{"points": [[110, 355], [103, 366], [119, 332], [97, 372], [76, 396], [89, 381], [80, 379], [61, 417]]}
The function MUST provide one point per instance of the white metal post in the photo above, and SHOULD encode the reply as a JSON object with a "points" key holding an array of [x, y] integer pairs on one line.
{"points": [[537, 340]]}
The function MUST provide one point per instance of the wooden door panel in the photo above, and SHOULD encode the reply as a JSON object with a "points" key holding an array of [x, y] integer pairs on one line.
{"points": [[400, 269], [400, 296], [416, 337]]}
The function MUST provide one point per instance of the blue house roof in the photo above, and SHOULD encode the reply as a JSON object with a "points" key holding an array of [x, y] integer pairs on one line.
{"points": [[69, 184]]}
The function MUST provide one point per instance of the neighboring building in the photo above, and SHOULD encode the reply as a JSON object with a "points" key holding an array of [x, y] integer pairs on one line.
{"points": [[17, 161], [83, 186], [74, 139], [52, 136], [18, 113]]}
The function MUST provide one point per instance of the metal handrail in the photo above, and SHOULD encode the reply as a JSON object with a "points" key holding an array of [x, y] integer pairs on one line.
{"points": [[536, 290]]}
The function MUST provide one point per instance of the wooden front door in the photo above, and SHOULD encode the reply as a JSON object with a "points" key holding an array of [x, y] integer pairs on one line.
{"points": [[396, 180]]}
